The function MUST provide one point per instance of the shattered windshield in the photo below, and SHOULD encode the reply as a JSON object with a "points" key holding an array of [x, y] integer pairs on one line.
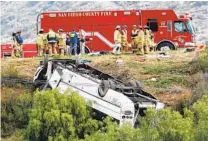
{"points": [[190, 27]]}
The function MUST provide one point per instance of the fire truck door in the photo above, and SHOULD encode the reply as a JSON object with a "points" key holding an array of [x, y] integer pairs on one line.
{"points": [[179, 32], [169, 29]]}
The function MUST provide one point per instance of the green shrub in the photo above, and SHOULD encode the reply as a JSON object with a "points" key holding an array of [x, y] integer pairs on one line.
{"points": [[201, 118], [59, 116], [14, 111]]}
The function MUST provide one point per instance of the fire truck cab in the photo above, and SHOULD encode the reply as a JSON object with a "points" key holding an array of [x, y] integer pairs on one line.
{"points": [[168, 28]]}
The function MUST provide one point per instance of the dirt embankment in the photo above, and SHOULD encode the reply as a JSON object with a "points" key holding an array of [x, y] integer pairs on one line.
{"points": [[167, 77]]}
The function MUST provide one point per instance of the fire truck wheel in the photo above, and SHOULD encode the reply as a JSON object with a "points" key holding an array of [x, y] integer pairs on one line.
{"points": [[103, 88], [163, 44]]}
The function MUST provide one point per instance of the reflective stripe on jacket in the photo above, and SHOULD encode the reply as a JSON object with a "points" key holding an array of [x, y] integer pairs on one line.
{"points": [[61, 39], [51, 36], [124, 36], [117, 36], [39, 40], [134, 34], [147, 35], [140, 36], [14, 42]]}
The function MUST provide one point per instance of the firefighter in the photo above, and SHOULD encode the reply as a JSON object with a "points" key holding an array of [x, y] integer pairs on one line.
{"points": [[151, 41], [40, 42], [117, 40], [134, 37], [124, 42], [82, 35], [15, 51], [146, 39], [74, 42], [45, 44], [140, 41], [52, 42], [61, 41], [19, 42], [68, 44]]}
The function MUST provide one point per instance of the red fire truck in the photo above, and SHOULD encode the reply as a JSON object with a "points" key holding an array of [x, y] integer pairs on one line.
{"points": [[168, 28]]}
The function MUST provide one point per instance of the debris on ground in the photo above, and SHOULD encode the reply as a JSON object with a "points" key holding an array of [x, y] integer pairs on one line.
{"points": [[86, 61], [163, 55], [119, 61], [153, 79], [139, 59], [190, 49], [98, 53]]}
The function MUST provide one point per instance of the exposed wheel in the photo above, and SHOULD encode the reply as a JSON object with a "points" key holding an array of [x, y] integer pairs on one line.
{"points": [[164, 44], [138, 84], [112, 84], [103, 88], [132, 84]]}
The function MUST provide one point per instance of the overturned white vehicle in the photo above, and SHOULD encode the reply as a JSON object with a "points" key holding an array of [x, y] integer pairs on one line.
{"points": [[108, 95]]}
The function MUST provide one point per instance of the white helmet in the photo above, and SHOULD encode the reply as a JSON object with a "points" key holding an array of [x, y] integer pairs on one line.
{"points": [[118, 27], [134, 26]]}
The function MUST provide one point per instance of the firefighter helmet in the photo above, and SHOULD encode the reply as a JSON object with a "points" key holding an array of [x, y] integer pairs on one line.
{"points": [[60, 30], [124, 26], [134, 26], [118, 27]]}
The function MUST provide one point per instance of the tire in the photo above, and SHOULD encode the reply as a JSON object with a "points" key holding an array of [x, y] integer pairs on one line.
{"points": [[112, 84], [139, 84], [103, 88], [132, 84], [163, 44]]}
